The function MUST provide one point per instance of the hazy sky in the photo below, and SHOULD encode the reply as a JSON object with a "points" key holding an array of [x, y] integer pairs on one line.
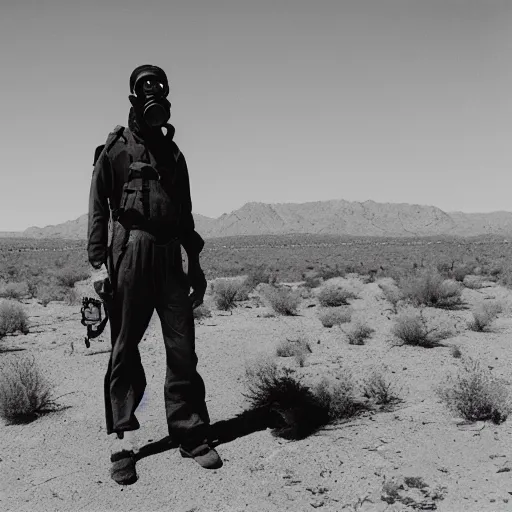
{"points": [[273, 100]]}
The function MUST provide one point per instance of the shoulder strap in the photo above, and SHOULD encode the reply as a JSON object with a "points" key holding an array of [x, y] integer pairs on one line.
{"points": [[112, 138]]}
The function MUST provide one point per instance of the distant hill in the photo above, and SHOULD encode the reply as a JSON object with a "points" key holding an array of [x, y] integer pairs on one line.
{"points": [[336, 217]]}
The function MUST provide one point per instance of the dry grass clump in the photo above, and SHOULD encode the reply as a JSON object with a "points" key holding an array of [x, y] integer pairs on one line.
{"points": [[456, 352], [332, 296], [226, 292], [14, 291], [335, 316], [258, 274], [12, 318], [328, 272], [340, 397], [292, 348], [312, 282], [484, 315], [283, 300], [25, 393], [412, 329], [202, 311], [295, 411], [359, 333], [52, 292], [476, 394], [431, 289], [380, 390], [68, 276], [393, 295]]}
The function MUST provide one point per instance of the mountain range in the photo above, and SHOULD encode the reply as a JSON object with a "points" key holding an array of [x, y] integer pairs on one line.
{"points": [[336, 217]]}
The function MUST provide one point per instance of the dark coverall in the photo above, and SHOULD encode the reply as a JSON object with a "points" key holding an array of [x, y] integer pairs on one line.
{"points": [[144, 265]]}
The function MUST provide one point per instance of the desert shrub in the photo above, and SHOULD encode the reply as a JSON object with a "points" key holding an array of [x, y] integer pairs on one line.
{"points": [[202, 311], [393, 295], [359, 333], [51, 292], [283, 301], [328, 272], [476, 394], [456, 352], [484, 315], [294, 410], [340, 397], [12, 318], [335, 316], [291, 348], [333, 296], [380, 390], [430, 289], [461, 271], [257, 275], [25, 393], [412, 329], [68, 276], [312, 282], [226, 293], [14, 291]]}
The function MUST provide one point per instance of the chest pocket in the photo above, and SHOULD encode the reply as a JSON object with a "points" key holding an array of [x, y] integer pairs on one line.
{"points": [[145, 199]]}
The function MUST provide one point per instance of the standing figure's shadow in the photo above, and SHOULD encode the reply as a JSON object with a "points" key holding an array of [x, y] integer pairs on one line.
{"points": [[247, 422]]}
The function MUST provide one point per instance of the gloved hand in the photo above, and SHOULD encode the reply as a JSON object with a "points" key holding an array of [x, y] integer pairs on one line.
{"points": [[198, 284]]}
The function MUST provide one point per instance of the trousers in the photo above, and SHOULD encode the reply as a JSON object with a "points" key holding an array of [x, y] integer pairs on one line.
{"points": [[149, 276]]}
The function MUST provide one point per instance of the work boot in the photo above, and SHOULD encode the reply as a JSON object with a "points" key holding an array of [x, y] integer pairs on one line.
{"points": [[123, 459], [206, 456]]}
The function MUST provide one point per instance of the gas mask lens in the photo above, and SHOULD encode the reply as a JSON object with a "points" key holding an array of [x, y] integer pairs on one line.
{"points": [[153, 88]]}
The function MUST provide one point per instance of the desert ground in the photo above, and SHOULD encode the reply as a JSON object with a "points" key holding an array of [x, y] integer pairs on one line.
{"points": [[415, 455]]}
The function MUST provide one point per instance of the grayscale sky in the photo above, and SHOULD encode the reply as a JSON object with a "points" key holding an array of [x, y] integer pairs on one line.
{"points": [[273, 100]]}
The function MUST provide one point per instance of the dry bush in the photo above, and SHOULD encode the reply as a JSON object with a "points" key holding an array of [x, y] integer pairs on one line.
{"points": [[412, 329], [460, 272], [282, 300], [295, 410], [257, 275], [359, 333], [202, 311], [328, 272], [476, 394], [291, 348], [379, 390], [14, 291], [333, 296], [456, 352], [52, 292], [25, 393], [335, 316], [312, 282], [484, 315], [393, 295], [68, 276], [340, 397], [12, 318], [431, 289], [226, 292]]}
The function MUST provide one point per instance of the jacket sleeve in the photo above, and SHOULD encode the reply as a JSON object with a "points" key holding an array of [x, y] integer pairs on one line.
{"points": [[99, 211], [190, 238]]}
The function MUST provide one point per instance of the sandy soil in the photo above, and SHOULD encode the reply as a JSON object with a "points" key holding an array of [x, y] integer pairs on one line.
{"points": [[60, 462]]}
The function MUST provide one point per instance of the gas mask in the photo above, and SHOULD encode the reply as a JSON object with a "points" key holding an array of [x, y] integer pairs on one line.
{"points": [[149, 88]]}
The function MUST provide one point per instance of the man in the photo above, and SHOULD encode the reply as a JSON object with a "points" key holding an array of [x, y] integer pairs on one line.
{"points": [[140, 196]]}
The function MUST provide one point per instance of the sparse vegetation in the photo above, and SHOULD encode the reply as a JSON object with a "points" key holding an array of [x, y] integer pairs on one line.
{"points": [[333, 296], [282, 300], [68, 276], [14, 291], [295, 410], [393, 295], [226, 292], [456, 352], [335, 316], [359, 333], [25, 393], [380, 390], [202, 311], [412, 329], [12, 318], [484, 315], [476, 394], [431, 289], [291, 348]]}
